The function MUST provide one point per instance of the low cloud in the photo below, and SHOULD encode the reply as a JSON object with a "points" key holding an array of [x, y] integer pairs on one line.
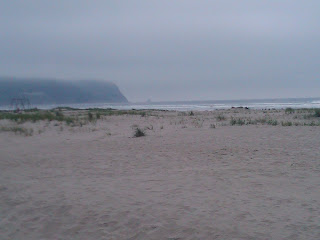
{"points": [[168, 50]]}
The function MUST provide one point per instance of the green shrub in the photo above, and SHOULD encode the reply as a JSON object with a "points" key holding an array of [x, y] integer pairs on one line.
{"points": [[261, 120], [313, 123], [272, 122], [233, 121], [69, 120], [90, 116], [286, 124], [239, 121], [220, 117], [289, 110], [59, 114], [139, 133], [32, 110], [308, 116]]}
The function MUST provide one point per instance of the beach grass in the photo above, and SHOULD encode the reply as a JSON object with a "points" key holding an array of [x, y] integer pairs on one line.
{"points": [[221, 117], [18, 130]]}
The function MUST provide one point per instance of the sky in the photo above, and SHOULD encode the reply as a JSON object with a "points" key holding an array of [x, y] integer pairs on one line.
{"points": [[170, 49]]}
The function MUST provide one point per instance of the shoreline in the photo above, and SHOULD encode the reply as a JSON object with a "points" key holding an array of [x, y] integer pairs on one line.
{"points": [[258, 104]]}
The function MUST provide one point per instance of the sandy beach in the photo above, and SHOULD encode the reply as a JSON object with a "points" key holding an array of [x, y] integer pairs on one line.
{"points": [[225, 174]]}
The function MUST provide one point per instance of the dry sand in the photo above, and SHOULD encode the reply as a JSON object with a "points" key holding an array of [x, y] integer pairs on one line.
{"points": [[184, 180]]}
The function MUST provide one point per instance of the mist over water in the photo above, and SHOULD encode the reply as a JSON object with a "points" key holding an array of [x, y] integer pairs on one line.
{"points": [[168, 50]]}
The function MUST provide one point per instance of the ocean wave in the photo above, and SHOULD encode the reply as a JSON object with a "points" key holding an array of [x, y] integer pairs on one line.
{"points": [[196, 106]]}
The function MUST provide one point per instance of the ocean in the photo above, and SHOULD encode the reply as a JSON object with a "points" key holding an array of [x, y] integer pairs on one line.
{"points": [[195, 105]]}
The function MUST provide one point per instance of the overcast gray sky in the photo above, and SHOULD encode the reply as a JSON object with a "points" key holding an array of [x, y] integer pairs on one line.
{"points": [[167, 49]]}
